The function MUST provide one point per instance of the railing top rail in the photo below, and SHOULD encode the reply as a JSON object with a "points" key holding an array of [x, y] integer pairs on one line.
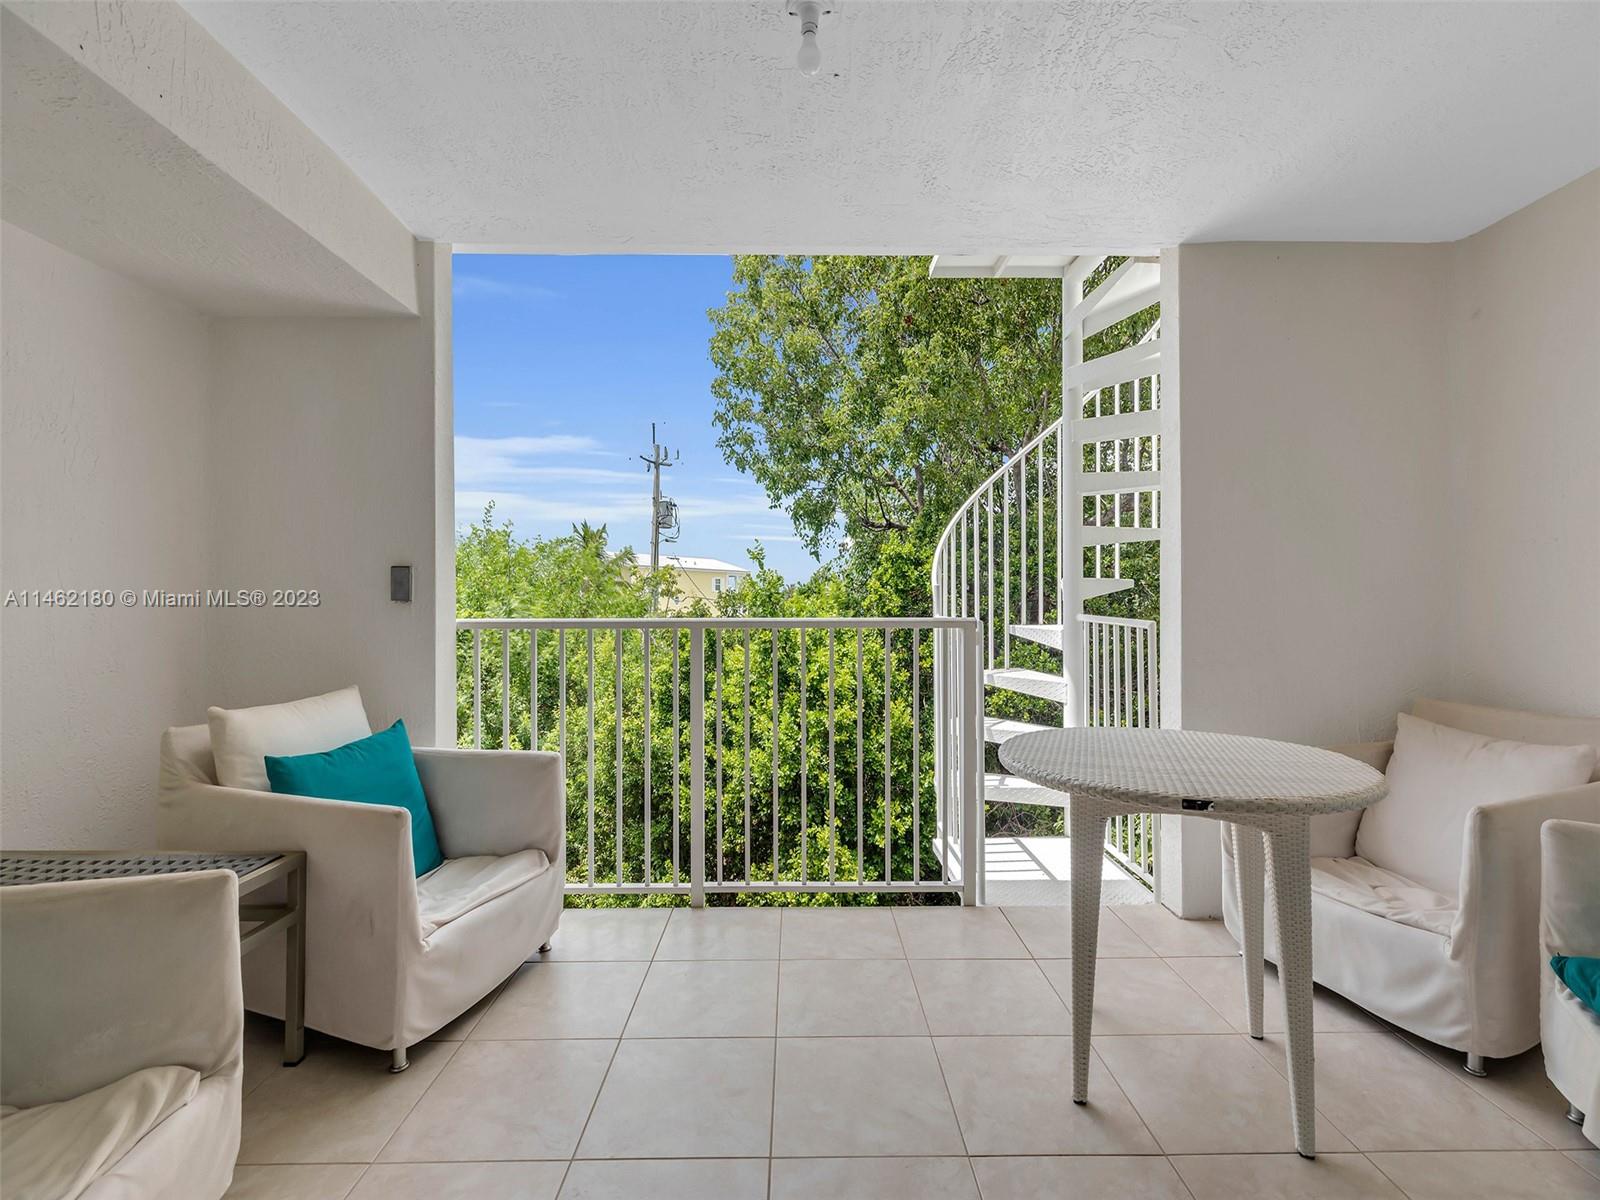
{"points": [[969, 624], [1130, 622]]}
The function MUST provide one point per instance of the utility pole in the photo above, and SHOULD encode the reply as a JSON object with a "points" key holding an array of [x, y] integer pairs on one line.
{"points": [[663, 512]]}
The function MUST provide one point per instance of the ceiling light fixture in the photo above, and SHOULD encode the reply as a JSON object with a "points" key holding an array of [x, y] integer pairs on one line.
{"points": [[810, 12]]}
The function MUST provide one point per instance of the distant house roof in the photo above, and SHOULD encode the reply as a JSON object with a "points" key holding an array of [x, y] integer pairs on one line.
{"points": [[690, 562]]}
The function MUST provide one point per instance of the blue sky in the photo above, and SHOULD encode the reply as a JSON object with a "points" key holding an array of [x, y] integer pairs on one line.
{"points": [[561, 363]]}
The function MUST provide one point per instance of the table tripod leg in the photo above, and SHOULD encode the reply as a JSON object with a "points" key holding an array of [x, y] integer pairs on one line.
{"points": [[1248, 890], [1289, 858], [1087, 837]]}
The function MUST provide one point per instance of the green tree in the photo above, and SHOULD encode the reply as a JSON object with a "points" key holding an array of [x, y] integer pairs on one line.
{"points": [[868, 400]]}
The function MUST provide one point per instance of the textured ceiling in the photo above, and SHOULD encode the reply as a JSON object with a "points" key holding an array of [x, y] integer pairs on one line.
{"points": [[682, 125]]}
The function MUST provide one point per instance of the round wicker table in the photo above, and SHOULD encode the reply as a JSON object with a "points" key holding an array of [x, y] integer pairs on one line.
{"points": [[1264, 791]]}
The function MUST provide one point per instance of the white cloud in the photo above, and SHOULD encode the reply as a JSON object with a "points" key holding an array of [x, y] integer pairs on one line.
{"points": [[466, 286], [483, 462]]}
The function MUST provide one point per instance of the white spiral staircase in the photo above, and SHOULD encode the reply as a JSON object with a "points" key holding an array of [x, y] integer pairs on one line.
{"points": [[1044, 533]]}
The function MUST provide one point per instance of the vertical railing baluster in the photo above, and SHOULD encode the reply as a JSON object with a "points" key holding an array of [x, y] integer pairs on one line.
{"points": [[775, 872], [1005, 570], [977, 582], [1022, 531], [1039, 519], [805, 686], [916, 755], [649, 708], [721, 752], [561, 713], [505, 689], [1066, 491], [677, 757], [747, 673], [533, 689], [697, 767], [477, 688], [972, 830], [617, 641], [861, 637], [833, 828], [988, 568], [589, 709], [888, 804]]}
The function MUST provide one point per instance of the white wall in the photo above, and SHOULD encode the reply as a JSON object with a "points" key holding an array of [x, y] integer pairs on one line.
{"points": [[1390, 484], [103, 441], [250, 440], [1310, 558], [323, 441], [1313, 551], [1523, 441]]}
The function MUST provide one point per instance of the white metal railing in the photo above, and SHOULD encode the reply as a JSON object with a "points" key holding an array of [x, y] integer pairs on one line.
{"points": [[735, 755], [1121, 671], [1012, 580]]}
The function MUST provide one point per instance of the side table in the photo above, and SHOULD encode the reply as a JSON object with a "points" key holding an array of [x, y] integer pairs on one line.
{"points": [[255, 871]]}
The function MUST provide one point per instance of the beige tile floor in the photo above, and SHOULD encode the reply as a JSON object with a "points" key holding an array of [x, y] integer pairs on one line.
{"points": [[869, 1054]]}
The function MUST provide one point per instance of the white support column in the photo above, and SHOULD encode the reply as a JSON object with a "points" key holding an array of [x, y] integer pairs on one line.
{"points": [[1069, 512], [1189, 867]]}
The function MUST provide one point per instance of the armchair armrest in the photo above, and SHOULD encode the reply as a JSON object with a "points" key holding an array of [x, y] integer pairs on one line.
{"points": [[109, 976], [496, 801], [361, 892], [365, 845], [1496, 930], [1569, 909]]}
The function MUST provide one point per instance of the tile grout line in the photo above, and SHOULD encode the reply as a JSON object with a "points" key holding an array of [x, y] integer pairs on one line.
{"points": [[1390, 1179], [1474, 1087], [772, 1111], [610, 1062], [939, 1062], [448, 1058]]}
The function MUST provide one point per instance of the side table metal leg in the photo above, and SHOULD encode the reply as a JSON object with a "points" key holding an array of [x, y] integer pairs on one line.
{"points": [[1086, 822], [1289, 857], [1248, 863], [294, 972]]}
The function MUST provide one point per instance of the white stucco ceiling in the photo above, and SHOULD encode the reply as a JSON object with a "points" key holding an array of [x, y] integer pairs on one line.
{"points": [[683, 125]]}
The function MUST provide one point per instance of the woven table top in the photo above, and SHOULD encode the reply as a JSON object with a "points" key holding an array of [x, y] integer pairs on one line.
{"points": [[1161, 769], [68, 868]]}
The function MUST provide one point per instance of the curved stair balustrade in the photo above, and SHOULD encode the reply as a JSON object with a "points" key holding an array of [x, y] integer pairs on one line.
{"points": [[1045, 532]]}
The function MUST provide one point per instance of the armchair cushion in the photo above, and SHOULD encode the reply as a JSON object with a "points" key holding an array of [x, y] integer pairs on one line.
{"points": [[241, 738], [374, 770], [463, 884], [1360, 884], [1436, 777], [60, 1149], [1582, 977]]}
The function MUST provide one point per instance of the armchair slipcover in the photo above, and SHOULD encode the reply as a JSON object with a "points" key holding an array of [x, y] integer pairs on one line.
{"points": [[390, 958], [1461, 970], [1569, 923], [122, 1023]]}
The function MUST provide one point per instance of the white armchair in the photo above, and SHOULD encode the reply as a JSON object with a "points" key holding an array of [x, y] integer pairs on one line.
{"points": [[1459, 966], [1569, 923], [391, 958], [123, 1029]]}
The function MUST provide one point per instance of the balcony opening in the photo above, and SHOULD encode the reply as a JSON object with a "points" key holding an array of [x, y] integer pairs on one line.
{"points": [[772, 549]]}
